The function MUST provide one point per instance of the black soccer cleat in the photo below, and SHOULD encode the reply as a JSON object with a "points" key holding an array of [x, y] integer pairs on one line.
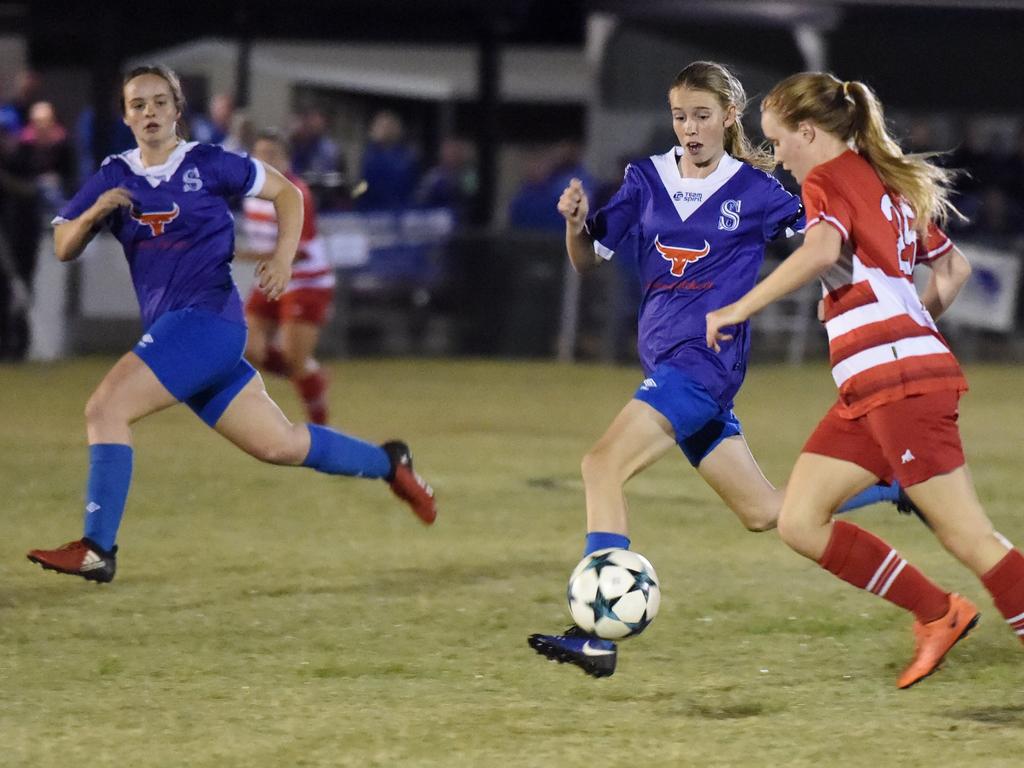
{"points": [[907, 507], [593, 655]]}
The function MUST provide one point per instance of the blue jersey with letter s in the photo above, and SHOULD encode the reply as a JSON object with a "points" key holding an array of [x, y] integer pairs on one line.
{"points": [[699, 245], [179, 235]]}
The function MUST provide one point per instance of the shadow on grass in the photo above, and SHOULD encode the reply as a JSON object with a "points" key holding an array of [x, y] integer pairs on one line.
{"points": [[1012, 714], [736, 711]]}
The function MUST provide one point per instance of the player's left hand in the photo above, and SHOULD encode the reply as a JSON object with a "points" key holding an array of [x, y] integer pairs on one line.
{"points": [[273, 276], [720, 318]]}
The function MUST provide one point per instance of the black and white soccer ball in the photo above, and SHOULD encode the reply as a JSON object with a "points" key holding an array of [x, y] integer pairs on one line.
{"points": [[614, 593]]}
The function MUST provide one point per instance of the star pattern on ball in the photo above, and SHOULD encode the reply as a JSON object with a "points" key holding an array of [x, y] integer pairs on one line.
{"points": [[642, 581]]}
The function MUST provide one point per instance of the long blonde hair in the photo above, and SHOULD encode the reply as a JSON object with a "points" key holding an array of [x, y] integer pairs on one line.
{"points": [[851, 111], [719, 81]]}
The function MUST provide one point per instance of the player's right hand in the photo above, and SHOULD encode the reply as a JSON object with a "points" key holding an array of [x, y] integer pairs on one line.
{"points": [[574, 205], [111, 200]]}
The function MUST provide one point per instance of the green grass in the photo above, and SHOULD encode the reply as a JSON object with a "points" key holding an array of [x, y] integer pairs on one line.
{"points": [[276, 617]]}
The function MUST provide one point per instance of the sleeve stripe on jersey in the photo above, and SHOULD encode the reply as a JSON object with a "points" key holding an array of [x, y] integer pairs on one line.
{"points": [[940, 250], [602, 251], [259, 181], [831, 220]]}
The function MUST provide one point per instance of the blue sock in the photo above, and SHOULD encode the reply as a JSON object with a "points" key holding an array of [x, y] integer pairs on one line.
{"points": [[338, 454], [873, 495], [602, 540], [110, 474]]}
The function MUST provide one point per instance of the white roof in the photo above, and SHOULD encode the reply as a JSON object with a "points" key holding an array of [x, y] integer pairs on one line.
{"points": [[528, 74]]}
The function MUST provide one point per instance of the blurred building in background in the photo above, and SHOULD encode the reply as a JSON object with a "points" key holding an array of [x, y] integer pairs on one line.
{"points": [[438, 135]]}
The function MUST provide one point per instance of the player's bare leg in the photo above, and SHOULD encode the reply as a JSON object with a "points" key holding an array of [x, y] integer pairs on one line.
{"points": [[732, 472], [258, 340], [637, 437], [255, 423], [130, 391], [816, 488], [298, 345], [952, 507]]}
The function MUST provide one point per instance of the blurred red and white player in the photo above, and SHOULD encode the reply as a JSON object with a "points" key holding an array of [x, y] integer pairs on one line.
{"points": [[283, 334], [871, 216]]}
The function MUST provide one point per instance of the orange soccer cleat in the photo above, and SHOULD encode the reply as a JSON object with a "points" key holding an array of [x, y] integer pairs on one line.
{"points": [[935, 638]]}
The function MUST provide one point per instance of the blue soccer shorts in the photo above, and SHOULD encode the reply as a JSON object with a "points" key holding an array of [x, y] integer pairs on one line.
{"points": [[700, 423], [197, 355]]}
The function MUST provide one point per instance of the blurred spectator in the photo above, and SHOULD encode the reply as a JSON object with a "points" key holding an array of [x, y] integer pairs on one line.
{"points": [[452, 183], [36, 164], [14, 113], [242, 133], [389, 165], [14, 291], [1013, 176], [118, 139], [214, 126], [532, 205], [44, 154], [999, 219], [313, 151], [547, 173]]}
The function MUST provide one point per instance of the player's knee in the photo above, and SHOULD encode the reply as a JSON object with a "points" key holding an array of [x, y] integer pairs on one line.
{"points": [[794, 531], [100, 409], [285, 448], [760, 520], [597, 466], [964, 543]]}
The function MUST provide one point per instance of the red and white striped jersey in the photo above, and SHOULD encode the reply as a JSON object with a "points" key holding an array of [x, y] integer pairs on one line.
{"points": [[883, 343], [311, 269]]}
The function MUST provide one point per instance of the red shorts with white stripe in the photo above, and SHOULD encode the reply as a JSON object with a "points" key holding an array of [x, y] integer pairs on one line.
{"points": [[300, 305], [911, 440]]}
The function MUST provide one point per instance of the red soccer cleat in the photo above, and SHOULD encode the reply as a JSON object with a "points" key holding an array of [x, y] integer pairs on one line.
{"points": [[935, 639], [407, 485], [78, 558]]}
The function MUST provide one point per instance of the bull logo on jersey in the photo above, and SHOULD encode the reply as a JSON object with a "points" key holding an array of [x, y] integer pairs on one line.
{"points": [[680, 257], [157, 220]]}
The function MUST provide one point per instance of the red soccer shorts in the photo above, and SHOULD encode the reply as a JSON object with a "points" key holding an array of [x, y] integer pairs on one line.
{"points": [[913, 440], [300, 305]]}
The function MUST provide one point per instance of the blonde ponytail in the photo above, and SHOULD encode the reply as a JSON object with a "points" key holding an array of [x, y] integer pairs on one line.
{"points": [[851, 111]]}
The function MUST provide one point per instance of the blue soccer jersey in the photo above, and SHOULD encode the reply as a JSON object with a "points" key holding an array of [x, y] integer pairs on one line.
{"points": [[699, 244], [179, 235]]}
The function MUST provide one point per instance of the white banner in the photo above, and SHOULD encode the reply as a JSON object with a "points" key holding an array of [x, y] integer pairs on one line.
{"points": [[989, 299]]}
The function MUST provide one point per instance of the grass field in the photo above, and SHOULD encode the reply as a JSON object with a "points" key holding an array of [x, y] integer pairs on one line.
{"points": [[276, 617]]}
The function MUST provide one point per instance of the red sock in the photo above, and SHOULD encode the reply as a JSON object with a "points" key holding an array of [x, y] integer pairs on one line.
{"points": [[313, 390], [1005, 582], [274, 362], [864, 560]]}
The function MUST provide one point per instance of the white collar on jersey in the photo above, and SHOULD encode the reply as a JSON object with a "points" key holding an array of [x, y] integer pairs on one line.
{"points": [[155, 174], [689, 194]]}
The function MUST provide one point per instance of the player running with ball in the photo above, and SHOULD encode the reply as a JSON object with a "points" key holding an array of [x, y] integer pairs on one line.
{"points": [[699, 218]]}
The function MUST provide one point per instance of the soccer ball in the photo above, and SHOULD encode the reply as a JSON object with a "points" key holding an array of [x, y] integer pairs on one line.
{"points": [[614, 593]]}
